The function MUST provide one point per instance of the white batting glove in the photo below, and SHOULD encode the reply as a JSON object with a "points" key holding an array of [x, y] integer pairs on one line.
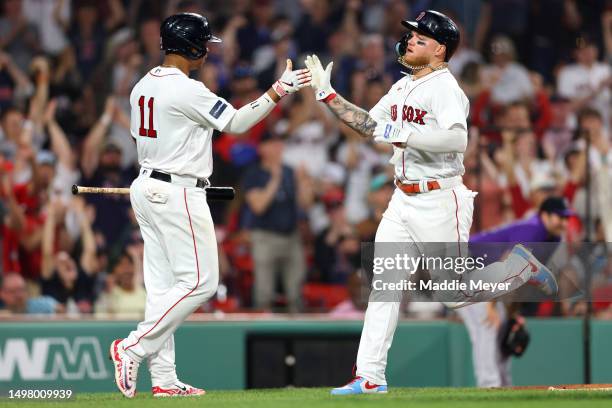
{"points": [[386, 132], [292, 81], [321, 78]]}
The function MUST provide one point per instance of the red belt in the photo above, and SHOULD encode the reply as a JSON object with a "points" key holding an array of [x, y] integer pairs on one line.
{"points": [[415, 187]]}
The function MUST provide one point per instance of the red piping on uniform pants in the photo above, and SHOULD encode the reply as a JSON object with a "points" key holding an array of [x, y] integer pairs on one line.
{"points": [[195, 250], [457, 220]]}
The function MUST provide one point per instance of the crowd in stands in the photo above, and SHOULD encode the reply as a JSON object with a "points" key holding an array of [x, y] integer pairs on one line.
{"points": [[310, 190]]}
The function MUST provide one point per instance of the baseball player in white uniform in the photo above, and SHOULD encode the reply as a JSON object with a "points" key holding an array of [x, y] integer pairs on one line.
{"points": [[424, 116], [172, 121]]}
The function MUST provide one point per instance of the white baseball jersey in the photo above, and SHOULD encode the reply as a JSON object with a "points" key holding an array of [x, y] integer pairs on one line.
{"points": [[173, 117], [430, 103], [577, 81]]}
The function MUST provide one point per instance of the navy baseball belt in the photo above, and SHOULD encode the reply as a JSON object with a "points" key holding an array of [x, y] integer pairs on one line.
{"points": [[196, 182]]}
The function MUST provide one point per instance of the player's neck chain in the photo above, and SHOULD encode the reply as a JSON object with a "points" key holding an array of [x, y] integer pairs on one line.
{"points": [[414, 70], [169, 66]]}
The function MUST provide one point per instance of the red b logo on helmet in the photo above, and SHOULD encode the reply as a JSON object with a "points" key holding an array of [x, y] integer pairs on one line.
{"points": [[420, 16]]}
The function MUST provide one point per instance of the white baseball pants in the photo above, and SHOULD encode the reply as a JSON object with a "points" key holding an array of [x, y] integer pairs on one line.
{"points": [[180, 267], [436, 216], [490, 368]]}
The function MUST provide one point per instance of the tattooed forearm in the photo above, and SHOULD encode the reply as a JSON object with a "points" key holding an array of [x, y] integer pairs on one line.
{"points": [[353, 116]]}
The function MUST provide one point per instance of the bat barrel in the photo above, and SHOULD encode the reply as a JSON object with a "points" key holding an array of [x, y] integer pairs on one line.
{"points": [[212, 193], [220, 193]]}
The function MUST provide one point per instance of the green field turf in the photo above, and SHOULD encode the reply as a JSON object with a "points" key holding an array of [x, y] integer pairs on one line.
{"points": [[320, 398]]}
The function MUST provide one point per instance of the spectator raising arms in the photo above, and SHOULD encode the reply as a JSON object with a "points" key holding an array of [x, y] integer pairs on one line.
{"points": [[537, 75], [68, 282]]}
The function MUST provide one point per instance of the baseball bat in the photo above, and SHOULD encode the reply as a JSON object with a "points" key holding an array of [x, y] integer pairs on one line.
{"points": [[212, 193]]}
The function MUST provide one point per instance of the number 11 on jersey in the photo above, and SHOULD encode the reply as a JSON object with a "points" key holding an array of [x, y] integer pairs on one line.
{"points": [[150, 132]]}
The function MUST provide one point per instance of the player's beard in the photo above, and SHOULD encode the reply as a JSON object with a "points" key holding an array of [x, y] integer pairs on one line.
{"points": [[415, 61]]}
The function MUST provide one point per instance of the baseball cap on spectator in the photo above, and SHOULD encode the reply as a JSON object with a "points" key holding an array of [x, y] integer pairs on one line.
{"points": [[45, 157], [243, 154], [543, 182], [556, 205], [333, 198], [271, 136], [379, 181], [242, 72], [111, 146]]}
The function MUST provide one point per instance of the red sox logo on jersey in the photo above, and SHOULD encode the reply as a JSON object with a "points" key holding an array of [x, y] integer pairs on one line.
{"points": [[409, 114]]}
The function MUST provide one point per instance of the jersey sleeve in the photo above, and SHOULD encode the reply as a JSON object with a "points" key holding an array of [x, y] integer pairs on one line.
{"points": [[450, 106], [204, 107], [381, 112]]}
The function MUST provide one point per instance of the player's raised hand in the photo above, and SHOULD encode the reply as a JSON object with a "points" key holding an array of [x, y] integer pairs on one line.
{"points": [[386, 132], [292, 81], [321, 78]]}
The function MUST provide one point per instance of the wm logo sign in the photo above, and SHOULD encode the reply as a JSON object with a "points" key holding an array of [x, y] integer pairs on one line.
{"points": [[52, 358]]}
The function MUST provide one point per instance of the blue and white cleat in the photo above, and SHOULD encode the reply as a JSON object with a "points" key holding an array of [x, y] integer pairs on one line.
{"points": [[359, 385], [541, 276]]}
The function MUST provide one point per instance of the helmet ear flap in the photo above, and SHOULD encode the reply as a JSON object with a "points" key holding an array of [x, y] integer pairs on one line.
{"points": [[402, 44], [197, 54]]}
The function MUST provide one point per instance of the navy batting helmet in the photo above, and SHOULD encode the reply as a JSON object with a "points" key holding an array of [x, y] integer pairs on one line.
{"points": [[437, 26], [186, 34]]}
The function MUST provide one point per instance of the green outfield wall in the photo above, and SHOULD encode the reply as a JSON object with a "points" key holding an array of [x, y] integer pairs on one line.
{"points": [[214, 354]]}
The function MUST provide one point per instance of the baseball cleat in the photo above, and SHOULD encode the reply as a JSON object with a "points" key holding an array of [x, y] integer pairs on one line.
{"points": [[126, 369], [179, 389], [541, 276], [359, 385]]}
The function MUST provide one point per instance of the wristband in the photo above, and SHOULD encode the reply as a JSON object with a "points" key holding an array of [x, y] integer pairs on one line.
{"points": [[329, 98], [280, 91]]}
